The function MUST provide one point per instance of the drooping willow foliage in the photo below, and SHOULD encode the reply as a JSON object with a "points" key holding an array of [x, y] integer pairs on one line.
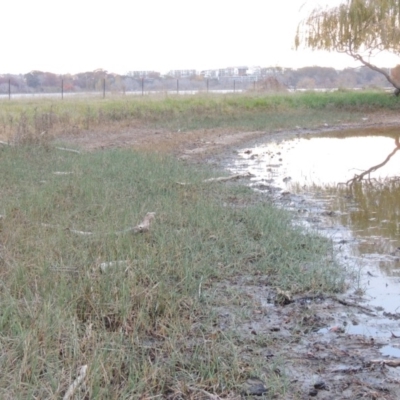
{"points": [[359, 28]]}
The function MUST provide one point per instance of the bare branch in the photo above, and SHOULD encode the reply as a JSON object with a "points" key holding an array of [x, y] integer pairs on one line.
{"points": [[358, 57], [70, 150], [144, 226], [359, 178], [223, 178]]}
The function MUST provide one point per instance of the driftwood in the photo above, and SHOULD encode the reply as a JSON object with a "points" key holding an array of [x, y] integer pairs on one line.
{"points": [[223, 178], [70, 150], [144, 226], [229, 178], [62, 173], [389, 363], [366, 310], [83, 233], [76, 383]]}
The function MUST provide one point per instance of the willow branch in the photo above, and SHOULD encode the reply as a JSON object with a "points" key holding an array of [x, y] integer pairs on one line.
{"points": [[359, 178], [358, 57]]}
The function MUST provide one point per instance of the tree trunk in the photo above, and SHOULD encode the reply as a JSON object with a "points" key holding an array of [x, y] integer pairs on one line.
{"points": [[377, 69]]}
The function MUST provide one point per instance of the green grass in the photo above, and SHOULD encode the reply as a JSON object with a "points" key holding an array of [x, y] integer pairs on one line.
{"points": [[144, 328], [240, 111]]}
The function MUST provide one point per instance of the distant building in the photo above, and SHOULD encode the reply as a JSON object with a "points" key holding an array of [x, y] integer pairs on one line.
{"points": [[226, 72], [272, 71], [254, 71], [241, 71], [210, 73], [182, 73], [144, 74]]}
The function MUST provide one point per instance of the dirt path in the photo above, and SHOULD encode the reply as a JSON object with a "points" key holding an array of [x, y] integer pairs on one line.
{"points": [[200, 144]]}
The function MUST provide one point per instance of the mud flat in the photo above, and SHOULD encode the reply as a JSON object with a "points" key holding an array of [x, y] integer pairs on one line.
{"points": [[341, 346]]}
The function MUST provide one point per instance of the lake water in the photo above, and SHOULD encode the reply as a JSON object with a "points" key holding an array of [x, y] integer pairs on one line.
{"points": [[308, 174]]}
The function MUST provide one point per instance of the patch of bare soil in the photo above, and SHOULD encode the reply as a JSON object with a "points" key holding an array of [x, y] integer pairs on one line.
{"points": [[199, 144], [306, 335]]}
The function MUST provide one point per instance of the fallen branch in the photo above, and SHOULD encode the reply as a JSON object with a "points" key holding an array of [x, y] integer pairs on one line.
{"points": [[49, 225], [62, 173], [76, 383], [83, 233], [389, 363], [144, 226], [223, 178], [366, 310], [5, 143], [229, 178], [70, 150]]}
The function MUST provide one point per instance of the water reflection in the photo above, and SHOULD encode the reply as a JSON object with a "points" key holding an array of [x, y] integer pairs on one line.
{"points": [[372, 211], [365, 211]]}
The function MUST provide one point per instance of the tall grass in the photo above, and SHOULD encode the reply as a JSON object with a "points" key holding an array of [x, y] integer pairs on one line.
{"points": [[32, 117], [144, 327]]}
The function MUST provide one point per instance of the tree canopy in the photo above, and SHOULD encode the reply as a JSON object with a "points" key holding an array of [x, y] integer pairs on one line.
{"points": [[359, 28]]}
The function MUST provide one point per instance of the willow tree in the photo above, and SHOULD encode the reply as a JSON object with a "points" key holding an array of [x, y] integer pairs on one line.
{"points": [[359, 28]]}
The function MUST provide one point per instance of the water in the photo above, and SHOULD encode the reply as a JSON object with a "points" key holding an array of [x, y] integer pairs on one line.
{"points": [[309, 174]]}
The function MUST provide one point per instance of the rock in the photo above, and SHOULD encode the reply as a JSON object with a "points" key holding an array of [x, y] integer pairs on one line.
{"points": [[313, 392], [283, 297], [320, 385], [254, 387]]}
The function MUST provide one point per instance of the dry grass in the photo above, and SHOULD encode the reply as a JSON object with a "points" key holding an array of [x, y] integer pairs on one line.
{"points": [[32, 118]]}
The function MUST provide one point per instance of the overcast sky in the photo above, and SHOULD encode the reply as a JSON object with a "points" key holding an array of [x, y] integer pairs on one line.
{"points": [[73, 36]]}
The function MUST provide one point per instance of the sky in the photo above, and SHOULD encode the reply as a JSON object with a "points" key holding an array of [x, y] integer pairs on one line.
{"points": [[119, 36]]}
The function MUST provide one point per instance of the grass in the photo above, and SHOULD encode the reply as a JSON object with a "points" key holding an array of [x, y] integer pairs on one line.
{"points": [[148, 327], [32, 117]]}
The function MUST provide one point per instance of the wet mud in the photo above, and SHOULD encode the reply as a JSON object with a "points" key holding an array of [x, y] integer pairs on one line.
{"points": [[321, 344], [343, 346]]}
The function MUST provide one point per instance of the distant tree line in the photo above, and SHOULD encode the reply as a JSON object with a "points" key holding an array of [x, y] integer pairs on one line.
{"points": [[302, 78]]}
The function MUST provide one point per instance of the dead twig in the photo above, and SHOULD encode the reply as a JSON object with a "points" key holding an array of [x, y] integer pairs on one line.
{"points": [[352, 304], [83, 233], [229, 178], [389, 363], [70, 150], [223, 178], [144, 226], [62, 173], [76, 383]]}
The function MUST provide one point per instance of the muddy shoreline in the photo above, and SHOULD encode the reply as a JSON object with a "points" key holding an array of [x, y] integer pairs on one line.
{"points": [[340, 346], [310, 341]]}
